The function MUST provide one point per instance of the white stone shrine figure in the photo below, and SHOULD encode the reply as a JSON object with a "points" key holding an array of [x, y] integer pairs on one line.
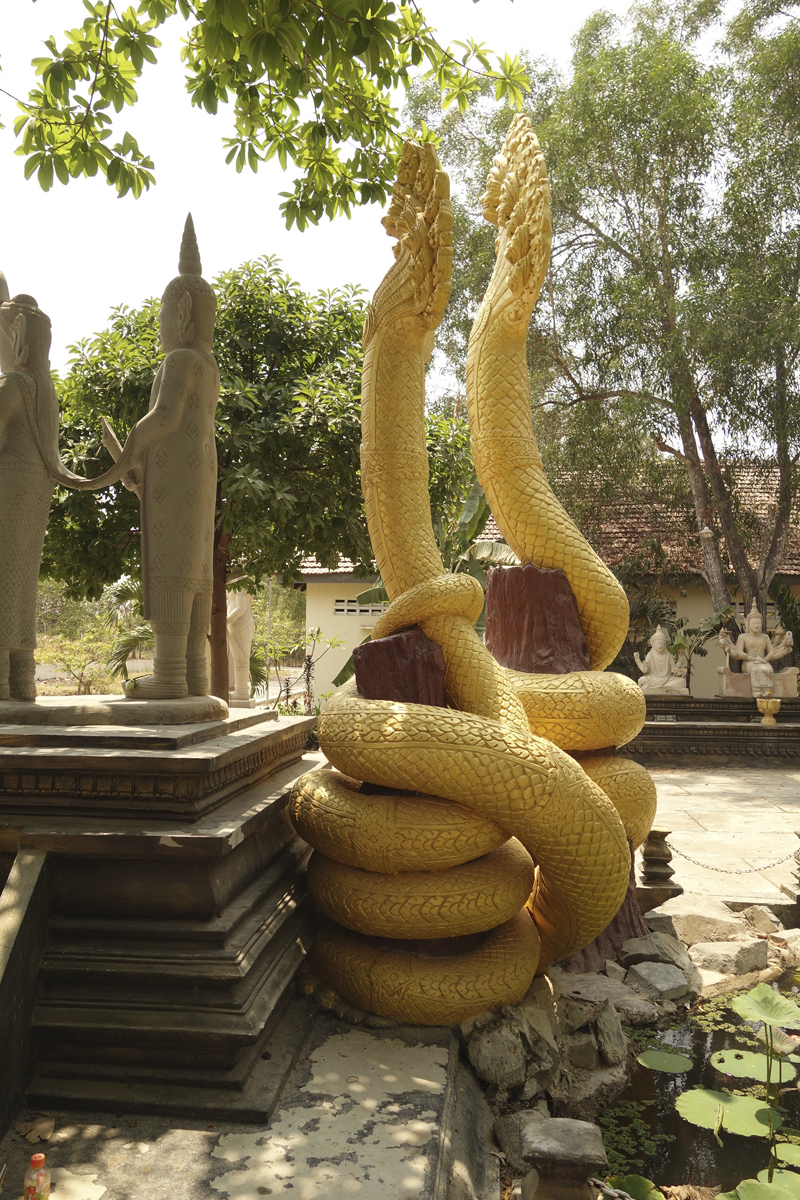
{"points": [[28, 446], [662, 674], [30, 466], [173, 469], [241, 630], [757, 652]]}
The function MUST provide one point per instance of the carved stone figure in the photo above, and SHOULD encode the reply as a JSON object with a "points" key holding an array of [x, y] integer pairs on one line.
{"points": [[757, 652], [241, 628], [662, 673], [172, 467], [28, 442]]}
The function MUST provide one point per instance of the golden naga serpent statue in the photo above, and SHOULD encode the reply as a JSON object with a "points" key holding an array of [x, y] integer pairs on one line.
{"points": [[493, 788]]}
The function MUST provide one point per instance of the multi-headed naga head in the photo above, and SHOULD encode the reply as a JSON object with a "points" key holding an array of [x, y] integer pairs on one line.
{"points": [[517, 201], [189, 303], [24, 332], [421, 218]]}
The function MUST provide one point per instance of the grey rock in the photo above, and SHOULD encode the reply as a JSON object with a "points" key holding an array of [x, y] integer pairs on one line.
{"points": [[594, 989], [657, 981], [730, 958], [655, 947], [563, 1143], [614, 970], [693, 919], [762, 918], [497, 1050], [790, 938], [575, 1016], [582, 1094], [508, 1131], [580, 1050], [508, 1050], [611, 1041]]}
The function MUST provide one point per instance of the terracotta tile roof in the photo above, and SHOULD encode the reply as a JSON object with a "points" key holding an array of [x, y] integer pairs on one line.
{"points": [[623, 529]]}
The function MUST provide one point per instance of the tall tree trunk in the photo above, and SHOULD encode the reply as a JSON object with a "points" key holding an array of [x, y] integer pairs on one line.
{"points": [[712, 560], [780, 531], [745, 574]]}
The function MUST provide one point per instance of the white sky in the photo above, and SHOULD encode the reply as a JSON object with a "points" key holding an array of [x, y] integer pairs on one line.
{"points": [[80, 250]]}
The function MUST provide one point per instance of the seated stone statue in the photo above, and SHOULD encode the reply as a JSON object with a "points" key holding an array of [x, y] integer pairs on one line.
{"points": [[661, 673], [172, 467], [28, 441], [757, 652]]}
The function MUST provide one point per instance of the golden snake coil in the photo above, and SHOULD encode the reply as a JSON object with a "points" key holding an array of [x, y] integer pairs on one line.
{"points": [[427, 828]]}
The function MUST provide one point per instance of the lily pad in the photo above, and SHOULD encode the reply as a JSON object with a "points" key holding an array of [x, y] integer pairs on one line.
{"points": [[746, 1064], [755, 1189], [763, 1003], [788, 1152], [744, 1115], [638, 1187], [789, 1181], [664, 1060]]}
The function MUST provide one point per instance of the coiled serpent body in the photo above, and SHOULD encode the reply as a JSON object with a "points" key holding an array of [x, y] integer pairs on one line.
{"points": [[425, 892]]}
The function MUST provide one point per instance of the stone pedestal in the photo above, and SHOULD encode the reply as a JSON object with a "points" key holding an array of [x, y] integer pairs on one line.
{"points": [[178, 914], [735, 683]]}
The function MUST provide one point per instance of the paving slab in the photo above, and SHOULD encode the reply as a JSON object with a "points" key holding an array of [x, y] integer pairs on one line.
{"points": [[387, 1113], [735, 818]]}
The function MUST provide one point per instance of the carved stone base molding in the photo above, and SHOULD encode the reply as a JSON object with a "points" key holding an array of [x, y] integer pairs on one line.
{"points": [[177, 772], [111, 710], [170, 944]]}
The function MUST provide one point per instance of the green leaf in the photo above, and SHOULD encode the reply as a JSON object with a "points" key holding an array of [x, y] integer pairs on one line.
{"points": [[788, 1152], [763, 1003], [787, 1181], [746, 1064], [475, 513], [665, 1060], [782, 1044], [740, 1114], [374, 595], [636, 1186]]}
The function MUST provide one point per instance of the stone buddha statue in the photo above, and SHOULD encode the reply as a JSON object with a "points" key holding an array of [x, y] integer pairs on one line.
{"points": [[757, 651], [28, 445], [661, 673], [171, 464]]}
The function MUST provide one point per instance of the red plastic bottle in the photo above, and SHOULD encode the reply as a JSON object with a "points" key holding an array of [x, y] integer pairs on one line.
{"points": [[37, 1180]]}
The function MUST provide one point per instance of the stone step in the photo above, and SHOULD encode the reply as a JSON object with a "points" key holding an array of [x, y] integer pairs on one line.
{"points": [[153, 1035], [202, 1095], [214, 980], [84, 943]]}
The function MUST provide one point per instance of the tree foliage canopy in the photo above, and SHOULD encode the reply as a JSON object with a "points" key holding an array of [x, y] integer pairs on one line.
{"points": [[669, 324], [311, 83], [288, 434]]}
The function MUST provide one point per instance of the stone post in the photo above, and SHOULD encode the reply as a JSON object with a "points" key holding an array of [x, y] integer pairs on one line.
{"points": [[565, 1154]]}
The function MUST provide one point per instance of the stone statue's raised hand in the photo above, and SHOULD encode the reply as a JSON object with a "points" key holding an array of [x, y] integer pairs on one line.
{"points": [[639, 662], [132, 479]]}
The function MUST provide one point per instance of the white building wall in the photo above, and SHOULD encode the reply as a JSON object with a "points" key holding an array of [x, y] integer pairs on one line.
{"points": [[333, 608]]}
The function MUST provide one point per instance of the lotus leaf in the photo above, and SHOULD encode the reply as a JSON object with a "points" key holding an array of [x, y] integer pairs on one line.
{"points": [[744, 1115], [664, 1060], [781, 1043], [755, 1189], [638, 1187], [788, 1152], [763, 1003], [745, 1064], [788, 1180]]}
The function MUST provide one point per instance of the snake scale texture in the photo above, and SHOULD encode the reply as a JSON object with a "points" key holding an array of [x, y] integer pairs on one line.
{"points": [[487, 850]]}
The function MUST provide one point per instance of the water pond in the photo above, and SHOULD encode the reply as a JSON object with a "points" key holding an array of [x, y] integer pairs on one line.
{"points": [[645, 1134]]}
